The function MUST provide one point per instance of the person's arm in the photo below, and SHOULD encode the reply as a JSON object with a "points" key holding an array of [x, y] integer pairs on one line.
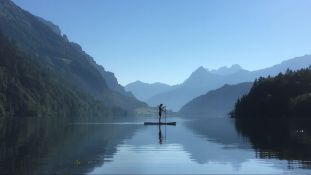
{"points": [[164, 108]]}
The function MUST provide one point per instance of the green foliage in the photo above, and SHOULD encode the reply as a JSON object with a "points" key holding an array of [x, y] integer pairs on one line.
{"points": [[29, 88], [301, 104], [54, 53], [286, 95]]}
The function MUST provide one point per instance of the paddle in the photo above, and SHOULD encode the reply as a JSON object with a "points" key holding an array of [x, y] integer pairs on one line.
{"points": [[165, 122]]}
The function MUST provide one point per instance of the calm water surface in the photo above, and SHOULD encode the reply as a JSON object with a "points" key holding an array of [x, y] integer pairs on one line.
{"points": [[193, 147]]}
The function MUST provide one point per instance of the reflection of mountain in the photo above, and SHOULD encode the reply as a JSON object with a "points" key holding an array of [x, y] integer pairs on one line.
{"points": [[282, 139], [205, 144], [219, 130], [217, 102], [209, 144], [32, 146], [202, 80]]}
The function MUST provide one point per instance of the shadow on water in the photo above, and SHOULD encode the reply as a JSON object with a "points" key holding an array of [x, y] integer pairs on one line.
{"points": [[43, 146], [284, 139]]}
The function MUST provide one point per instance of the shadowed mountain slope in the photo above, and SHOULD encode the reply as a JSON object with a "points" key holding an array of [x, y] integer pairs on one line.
{"points": [[43, 41], [217, 102]]}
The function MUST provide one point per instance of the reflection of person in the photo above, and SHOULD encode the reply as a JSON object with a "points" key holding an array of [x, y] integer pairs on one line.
{"points": [[160, 135], [161, 109]]}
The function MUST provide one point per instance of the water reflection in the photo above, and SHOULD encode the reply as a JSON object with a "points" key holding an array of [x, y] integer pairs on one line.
{"points": [[48, 146], [218, 130], [219, 140], [184, 151], [45, 146], [282, 139], [160, 135]]}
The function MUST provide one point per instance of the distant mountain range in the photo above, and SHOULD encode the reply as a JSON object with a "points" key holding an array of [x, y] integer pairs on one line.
{"points": [[42, 40], [202, 80], [227, 70], [144, 91], [216, 103]]}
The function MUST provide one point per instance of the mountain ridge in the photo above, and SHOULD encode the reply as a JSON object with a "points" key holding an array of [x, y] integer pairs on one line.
{"points": [[144, 91], [202, 80], [216, 103], [227, 70], [39, 39]]}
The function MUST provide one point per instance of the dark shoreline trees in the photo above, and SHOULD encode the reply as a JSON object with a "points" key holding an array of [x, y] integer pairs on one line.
{"points": [[285, 95]]}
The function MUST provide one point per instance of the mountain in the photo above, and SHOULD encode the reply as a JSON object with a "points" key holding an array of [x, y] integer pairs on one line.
{"points": [[283, 96], [202, 80], [30, 89], [54, 27], [42, 41], [144, 91], [227, 70], [112, 81], [195, 85], [199, 82], [217, 102], [293, 64]]}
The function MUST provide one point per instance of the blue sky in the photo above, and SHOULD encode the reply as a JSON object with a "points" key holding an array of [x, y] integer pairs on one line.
{"points": [[165, 40]]}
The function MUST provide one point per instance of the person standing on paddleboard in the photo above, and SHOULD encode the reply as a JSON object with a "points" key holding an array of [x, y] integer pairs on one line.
{"points": [[161, 109]]}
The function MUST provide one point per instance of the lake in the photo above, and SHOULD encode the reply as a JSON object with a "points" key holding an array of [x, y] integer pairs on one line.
{"points": [[215, 145]]}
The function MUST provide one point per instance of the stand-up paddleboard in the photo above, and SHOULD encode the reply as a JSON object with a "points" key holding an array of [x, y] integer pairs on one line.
{"points": [[157, 123]]}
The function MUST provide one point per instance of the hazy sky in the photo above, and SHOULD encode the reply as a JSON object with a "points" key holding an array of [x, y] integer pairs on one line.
{"points": [[165, 40]]}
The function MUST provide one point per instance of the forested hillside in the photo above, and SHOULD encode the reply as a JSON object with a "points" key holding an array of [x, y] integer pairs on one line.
{"points": [[54, 53], [28, 88], [285, 95]]}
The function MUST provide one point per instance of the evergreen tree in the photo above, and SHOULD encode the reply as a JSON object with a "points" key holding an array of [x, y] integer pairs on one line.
{"points": [[285, 95]]}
